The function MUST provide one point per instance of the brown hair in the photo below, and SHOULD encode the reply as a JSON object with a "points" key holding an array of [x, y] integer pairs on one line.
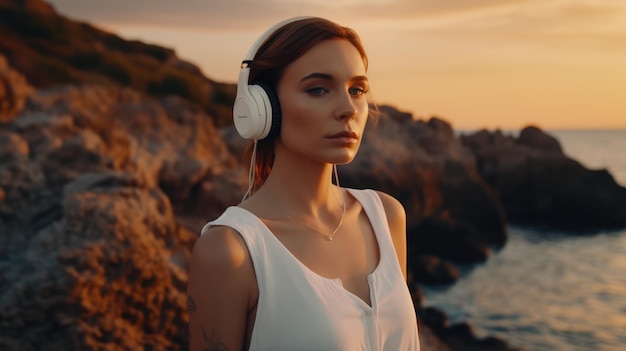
{"points": [[285, 45]]}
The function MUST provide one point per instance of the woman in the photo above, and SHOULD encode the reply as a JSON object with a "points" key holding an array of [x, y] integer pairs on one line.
{"points": [[303, 264]]}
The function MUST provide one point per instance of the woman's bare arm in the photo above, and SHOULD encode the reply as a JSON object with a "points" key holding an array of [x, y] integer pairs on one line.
{"points": [[221, 281], [396, 217]]}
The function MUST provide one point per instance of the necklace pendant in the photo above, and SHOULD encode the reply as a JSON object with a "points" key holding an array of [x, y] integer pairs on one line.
{"points": [[329, 238]]}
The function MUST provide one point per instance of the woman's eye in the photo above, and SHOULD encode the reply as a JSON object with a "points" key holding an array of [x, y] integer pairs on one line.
{"points": [[357, 91], [316, 91]]}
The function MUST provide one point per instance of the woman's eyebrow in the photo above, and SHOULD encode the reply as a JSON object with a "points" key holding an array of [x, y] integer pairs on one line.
{"points": [[326, 76], [360, 78]]}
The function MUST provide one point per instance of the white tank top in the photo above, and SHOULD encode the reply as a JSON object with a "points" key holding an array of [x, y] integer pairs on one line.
{"points": [[299, 309]]}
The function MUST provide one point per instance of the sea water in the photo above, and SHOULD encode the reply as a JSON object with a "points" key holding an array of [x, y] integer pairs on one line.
{"points": [[547, 290]]}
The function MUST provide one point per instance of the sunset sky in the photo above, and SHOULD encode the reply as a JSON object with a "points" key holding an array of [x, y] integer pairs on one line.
{"points": [[478, 64]]}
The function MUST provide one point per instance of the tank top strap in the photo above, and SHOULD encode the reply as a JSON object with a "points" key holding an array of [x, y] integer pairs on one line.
{"points": [[373, 206], [230, 218]]}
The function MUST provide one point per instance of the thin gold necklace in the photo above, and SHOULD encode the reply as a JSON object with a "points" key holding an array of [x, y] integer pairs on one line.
{"points": [[329, 237]]}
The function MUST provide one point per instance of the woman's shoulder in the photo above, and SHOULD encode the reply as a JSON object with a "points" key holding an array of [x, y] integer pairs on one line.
{"points": [[219, 248], [393, 207], [221, 287], [394, 210], [396, 215]]}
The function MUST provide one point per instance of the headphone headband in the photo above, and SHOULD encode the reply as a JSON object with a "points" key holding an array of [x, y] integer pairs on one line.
{"points": [[244, 73], [256, 112], [257, 44]]}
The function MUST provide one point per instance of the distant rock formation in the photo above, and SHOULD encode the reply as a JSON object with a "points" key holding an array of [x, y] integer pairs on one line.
{"points": [[539, 185], [451, 211]]}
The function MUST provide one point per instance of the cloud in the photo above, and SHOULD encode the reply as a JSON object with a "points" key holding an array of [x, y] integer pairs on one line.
{"points": [[550, 30], [490, 17], [566, 26], [249, 14], [478, 59]]}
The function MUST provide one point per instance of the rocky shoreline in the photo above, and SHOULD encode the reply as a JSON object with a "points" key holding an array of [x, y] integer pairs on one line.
{"points": [[104, 188]]}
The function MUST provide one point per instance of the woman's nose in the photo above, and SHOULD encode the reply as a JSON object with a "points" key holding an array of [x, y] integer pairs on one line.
{"points": [[346, 107]]}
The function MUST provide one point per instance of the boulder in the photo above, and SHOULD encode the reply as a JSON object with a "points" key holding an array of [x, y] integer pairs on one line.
{"points": [[459, 336], [169, 142], [540, 186], [424, 165], [13, 91], [97, 185], [109, 270], [430, 269], [429, 341]]}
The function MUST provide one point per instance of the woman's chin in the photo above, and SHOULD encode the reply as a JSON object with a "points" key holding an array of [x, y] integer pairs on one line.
{"points": [[343, 159]]}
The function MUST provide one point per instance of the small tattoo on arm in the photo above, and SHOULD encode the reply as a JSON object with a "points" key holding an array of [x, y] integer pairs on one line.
{"points": [[191, 305], [213, 342]]}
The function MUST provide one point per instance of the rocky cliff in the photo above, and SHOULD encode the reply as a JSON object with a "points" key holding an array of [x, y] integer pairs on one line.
{"points": [[92, 253], [50, 49]]}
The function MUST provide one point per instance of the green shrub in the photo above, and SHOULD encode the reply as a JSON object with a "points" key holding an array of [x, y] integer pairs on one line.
{"points": [[33, 25], [223, 98], [171, 84], [53, 70], [85, 60], [117, 72]]}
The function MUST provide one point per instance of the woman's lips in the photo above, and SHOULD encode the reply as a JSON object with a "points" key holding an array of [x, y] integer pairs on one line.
{"points": [[344, 137]]}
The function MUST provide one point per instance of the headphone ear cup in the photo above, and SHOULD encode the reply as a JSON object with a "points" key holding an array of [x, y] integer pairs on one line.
{"points": [[249, 113], [275, 111]]}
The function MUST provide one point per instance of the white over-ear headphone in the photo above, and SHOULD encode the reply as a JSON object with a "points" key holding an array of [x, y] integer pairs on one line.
{"points": [[256, 112]]}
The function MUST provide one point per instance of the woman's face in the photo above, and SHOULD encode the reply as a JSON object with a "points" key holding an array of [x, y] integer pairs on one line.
{"points": [[324, 107]]}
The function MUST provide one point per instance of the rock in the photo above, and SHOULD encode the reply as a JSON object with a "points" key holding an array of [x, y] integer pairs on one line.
{"points": [[435, 319], [461, 337], [536, 139], [424, 166], [458, 336], [50, 49], [12, 145], [13, 91], [106, 273], [417, 295], [539, 185], [429, 341], [92, 252], [171, 142], [35, 6], [447, 240], [236, 144], [432, 270]]}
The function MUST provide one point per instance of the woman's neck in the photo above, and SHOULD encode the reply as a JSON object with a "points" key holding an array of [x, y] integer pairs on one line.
{"points": [[298, 187]]}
